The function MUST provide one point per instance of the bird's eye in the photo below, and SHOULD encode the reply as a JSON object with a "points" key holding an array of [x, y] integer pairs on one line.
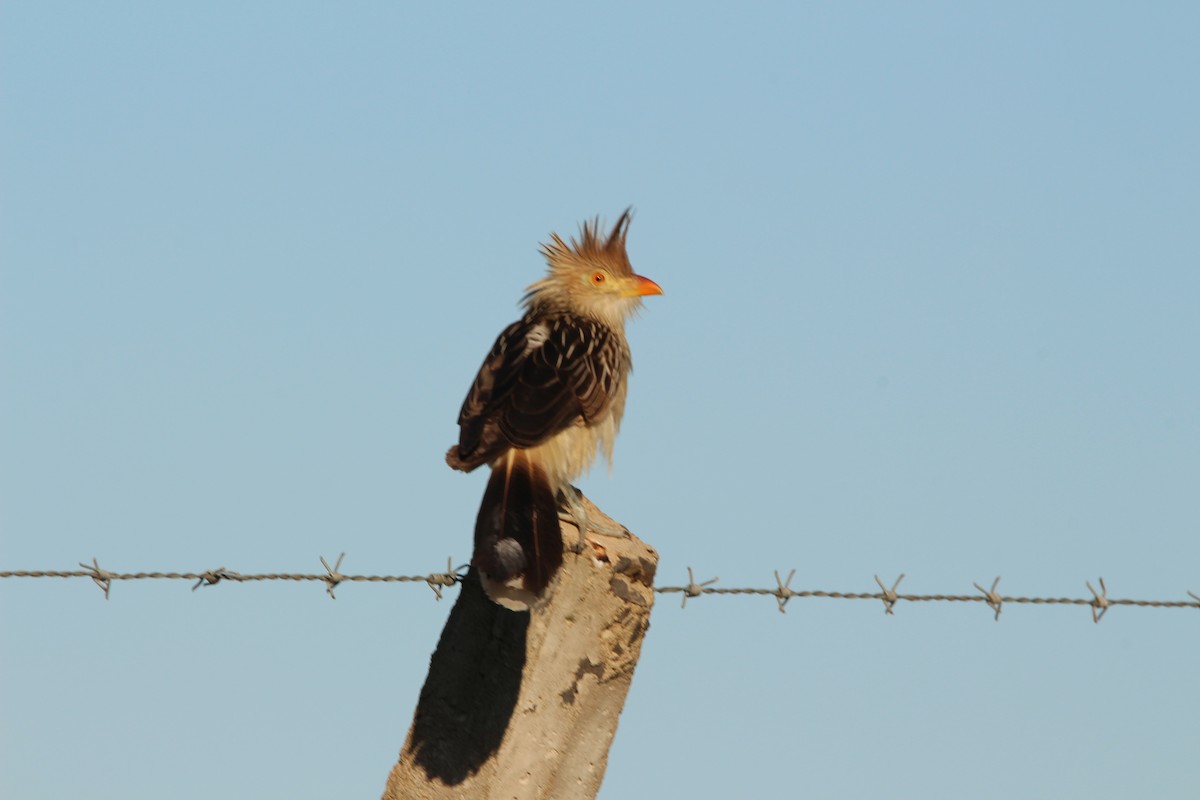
{"points": [[598, 278]]}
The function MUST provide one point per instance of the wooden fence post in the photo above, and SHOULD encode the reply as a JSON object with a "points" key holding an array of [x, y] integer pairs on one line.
{"points": [[524, 704]]}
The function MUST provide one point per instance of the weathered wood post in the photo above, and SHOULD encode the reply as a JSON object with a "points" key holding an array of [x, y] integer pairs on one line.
{"points": [[524, 704]]}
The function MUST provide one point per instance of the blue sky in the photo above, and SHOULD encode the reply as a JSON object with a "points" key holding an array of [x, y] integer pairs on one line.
{"points": [[931, 289]]}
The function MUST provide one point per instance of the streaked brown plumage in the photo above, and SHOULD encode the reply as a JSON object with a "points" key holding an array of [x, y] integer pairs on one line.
{"points": [[548, 397]]}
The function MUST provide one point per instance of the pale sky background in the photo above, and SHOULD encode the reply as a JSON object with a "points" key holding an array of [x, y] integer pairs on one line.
{"points": [[931, 307]]}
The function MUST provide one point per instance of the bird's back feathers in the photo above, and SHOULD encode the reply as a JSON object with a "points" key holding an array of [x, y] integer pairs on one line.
{"points": [[542, 375]]}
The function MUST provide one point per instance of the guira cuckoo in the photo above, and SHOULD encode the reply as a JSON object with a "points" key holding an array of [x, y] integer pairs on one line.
{"points": [[548, 398]]}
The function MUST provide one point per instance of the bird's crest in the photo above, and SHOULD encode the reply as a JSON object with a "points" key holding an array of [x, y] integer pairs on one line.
{"points": [[592, 249]]}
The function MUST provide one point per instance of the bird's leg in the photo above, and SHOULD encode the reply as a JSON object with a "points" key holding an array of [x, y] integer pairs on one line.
{"points": [[574, 511]]}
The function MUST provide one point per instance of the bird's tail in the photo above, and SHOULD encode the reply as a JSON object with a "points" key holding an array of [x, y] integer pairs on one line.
{"points": [[517, 533]]}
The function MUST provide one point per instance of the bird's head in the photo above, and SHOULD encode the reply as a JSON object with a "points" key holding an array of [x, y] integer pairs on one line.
{"points": [[592, 275]]}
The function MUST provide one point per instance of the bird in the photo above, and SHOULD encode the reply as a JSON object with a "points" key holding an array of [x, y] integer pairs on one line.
{"points": [[548, 398]]}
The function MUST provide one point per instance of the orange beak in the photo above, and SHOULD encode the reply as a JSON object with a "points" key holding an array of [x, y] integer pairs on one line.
{"points": [[643, 286]]}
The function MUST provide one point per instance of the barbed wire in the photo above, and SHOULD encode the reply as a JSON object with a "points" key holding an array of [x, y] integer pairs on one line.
{"points": [[332, 576], [1099, 602]]}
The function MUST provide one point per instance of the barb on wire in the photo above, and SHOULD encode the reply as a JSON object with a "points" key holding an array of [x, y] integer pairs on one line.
{"points": [[439, 580], [1100, 602], [784, 592], [889, 595], [212, 577], [334, 577], [102, 577], [994, 601], [692, 589]]}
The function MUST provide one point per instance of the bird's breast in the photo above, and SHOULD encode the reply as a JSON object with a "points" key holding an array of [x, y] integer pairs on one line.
{"points": [[569, 453]]}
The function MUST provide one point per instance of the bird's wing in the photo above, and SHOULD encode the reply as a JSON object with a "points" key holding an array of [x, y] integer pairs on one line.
{"points": [[540, 376]]}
